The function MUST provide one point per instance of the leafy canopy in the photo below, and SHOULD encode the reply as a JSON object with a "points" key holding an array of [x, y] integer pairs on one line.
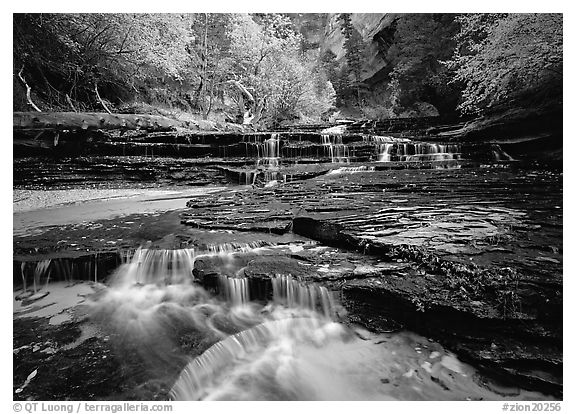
{"points": [[501, 59]]}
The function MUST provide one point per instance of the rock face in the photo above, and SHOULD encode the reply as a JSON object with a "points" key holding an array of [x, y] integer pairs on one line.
{"points": [[369, 25]]}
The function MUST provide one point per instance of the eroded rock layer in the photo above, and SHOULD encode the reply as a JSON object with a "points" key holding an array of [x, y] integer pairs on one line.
{"points": [[479, 250]]}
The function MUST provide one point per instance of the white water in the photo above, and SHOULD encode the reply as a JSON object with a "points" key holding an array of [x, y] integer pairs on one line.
{"points": [[269, 152], [289, 292], [291, 348], [395, 151], [337, 151]]}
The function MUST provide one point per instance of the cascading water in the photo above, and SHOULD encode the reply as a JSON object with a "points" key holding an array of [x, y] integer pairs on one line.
{"points": [[337, 151], [41, 271], [291, 348], [289, 292], [296, 353], [384, 152], [235, 289], [230, 248], [159, 265], [421, 151], [270, 152]]}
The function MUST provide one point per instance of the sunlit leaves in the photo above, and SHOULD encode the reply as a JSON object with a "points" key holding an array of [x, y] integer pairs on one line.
{"points": [[270, 64], [502, 57]]}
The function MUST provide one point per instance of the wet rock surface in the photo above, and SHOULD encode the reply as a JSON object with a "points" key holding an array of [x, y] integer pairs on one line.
{"points": [[467, 249], [115, 172], [464, 250]]}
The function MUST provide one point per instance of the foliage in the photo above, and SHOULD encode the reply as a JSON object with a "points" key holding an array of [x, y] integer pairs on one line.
{"points": [[504, 58], [354, 46], [123, 54], [210, 50], [172, 60], [259, 68], [269, 63], [421, 42], [467, 282]]}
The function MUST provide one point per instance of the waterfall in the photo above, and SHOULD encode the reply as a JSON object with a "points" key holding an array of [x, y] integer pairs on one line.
{"points": [[289, 349], [259, 348], [174, 266], [421, 151], [384, 152], [166, 266], [337, 151], [290, 292], [234, 289], [40, 271], [379, 139], [230, 248], [303, 325], [270, 152]]}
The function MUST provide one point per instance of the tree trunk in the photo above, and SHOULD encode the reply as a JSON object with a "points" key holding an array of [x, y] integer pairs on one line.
{"points": [[247, 102]]}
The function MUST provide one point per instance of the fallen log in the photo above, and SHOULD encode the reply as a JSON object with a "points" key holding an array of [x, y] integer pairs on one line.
{"points": [[72, 121]]}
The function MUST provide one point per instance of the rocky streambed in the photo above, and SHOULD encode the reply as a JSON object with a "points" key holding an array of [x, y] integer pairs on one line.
{"points": [[464, 251]]}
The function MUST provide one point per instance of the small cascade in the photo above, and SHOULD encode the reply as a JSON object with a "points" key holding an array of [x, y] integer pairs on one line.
{"points": [[253, 144], [259, 348], [380, 139], [265, 176], [290, 292], [384, 152], [41, 271], [90, 267], [231, 248], [351, 170], [337, 151], [422, 151], [175, 266], [234, 289], [270, 154], [289, 349], [126, 256], [165, 266]]}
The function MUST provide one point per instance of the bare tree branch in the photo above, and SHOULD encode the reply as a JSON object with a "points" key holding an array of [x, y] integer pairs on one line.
{"points": [[100, 99], [28, 91]]}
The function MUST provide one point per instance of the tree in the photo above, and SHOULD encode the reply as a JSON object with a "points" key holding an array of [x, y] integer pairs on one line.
{"points": [[354, 46], [275, 79], [85, 57], [210, 50], [193, 61], [507, 59], [421, 42]]}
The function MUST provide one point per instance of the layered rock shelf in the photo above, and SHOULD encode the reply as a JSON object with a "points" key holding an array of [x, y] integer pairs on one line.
{"points": [[457, 241], [480, 247]]}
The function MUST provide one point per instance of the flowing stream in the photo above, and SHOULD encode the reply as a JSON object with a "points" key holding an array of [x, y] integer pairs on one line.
{"points": [[290, 344], [269, 335]]}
